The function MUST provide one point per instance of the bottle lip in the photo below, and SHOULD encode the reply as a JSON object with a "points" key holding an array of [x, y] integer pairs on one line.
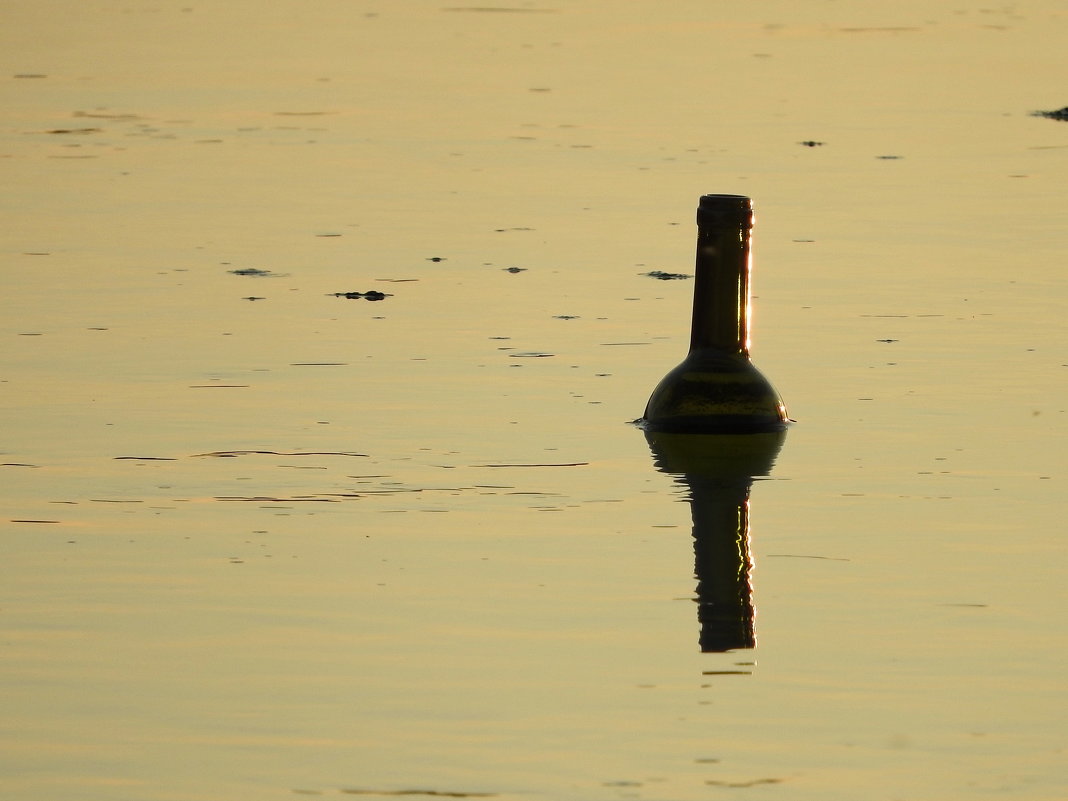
{"points": [[716, 197], [723, 210]]}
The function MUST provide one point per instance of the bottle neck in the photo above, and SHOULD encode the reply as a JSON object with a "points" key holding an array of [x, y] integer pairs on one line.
{"points": [[721, 290]]}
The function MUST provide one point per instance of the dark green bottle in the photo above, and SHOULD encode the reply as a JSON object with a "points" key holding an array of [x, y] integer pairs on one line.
{"points": [[717, 389]]}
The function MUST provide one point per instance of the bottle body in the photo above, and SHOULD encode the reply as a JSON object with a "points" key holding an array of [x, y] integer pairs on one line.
{"points": [[714, 393], [717, 389]]}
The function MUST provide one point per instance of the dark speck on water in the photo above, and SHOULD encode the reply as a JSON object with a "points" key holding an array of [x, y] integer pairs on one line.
{"points": [[255, 271], [373, 294], [73, 130], [811, 143], [663, 276], [515, 270]]}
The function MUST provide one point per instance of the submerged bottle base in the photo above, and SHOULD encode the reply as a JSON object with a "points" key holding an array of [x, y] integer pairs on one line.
{"points": [[730, 424]]}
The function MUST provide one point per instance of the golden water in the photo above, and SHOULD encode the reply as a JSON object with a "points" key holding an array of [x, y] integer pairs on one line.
{"points": [[314, 545]]}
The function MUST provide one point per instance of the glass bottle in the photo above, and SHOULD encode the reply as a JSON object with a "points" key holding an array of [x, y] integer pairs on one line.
{"points": [[717, 389]]}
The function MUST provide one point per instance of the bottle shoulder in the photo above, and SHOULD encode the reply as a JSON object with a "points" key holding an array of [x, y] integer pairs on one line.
{"points": [[713, 360]]}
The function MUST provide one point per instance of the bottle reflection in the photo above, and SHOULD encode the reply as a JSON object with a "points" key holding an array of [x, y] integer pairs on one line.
{"points": [[718, 471]]}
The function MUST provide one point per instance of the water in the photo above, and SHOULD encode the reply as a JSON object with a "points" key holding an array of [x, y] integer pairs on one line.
{"points": [[313, 545]]}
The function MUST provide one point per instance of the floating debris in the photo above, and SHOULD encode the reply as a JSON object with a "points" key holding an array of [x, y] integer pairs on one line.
{"points": [[104, 115], [1060, 114], [663, 276], [726, 673], [373, 294], [253, 271], [73, 130]]}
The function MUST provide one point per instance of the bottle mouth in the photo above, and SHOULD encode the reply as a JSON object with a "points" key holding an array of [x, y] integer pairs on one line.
{"points": [[716, 197], [724, 210]]}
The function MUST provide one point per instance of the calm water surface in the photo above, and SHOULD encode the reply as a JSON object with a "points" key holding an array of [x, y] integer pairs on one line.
{"points": [[260, 540]]}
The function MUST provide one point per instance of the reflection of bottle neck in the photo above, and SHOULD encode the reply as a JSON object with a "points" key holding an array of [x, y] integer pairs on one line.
{"points": [[722, 564], [718, 470], [721, 284]]}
